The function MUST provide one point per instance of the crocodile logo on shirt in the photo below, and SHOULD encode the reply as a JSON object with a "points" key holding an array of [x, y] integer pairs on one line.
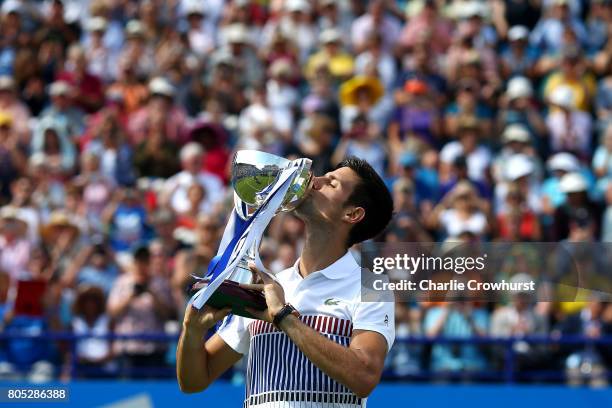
{"points": [[331, 302]]}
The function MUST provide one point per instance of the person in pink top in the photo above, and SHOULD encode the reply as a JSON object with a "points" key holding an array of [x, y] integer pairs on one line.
{"points": [[430, 24], [160, 106]]}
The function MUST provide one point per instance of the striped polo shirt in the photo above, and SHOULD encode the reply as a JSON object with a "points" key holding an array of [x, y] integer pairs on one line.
{"points": [[278, 373]]}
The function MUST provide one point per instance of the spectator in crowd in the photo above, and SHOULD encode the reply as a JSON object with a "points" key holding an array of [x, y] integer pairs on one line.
{"points": [[456, 319], [362, 140], [468, 144], [90, 317], [558, 165], [12, 155], [88, 93], [14, 246], [415, 124], [428, 24], [518, 107], [517, 59], [375, 20], [459, 211], [126, 220], [195, 260], [139, 302], [213, 137], [518, 319], [192, 157], [588, 364], [94, 265], [518, 222], [602, 163], [159, 110], [574, 186], [62, 113], [14, 108], [339, 63], [548, 34]]}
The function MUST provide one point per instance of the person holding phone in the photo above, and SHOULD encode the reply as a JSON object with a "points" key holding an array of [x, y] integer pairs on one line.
{"points": [[138, 304]]}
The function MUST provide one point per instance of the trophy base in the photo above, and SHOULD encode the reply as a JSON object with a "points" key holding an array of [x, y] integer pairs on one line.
{"points": [[230, 294]]}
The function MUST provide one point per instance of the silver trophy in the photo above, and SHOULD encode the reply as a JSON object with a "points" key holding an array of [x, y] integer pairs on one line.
{"points": [[255, 175]]}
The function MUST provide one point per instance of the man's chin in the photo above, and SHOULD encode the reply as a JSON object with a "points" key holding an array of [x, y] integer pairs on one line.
{"points": [[305, 209]]}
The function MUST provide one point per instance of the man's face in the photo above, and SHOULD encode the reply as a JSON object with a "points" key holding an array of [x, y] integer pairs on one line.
{"points": [[193, 163], [326, 201], [141, 269]]}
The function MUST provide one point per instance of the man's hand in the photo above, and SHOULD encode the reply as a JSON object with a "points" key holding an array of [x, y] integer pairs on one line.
{"points": [[199, 321], [199, 363], [275, 295]]}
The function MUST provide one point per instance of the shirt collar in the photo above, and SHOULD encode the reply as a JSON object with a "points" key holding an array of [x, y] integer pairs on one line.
{"points": [[343, 267]]}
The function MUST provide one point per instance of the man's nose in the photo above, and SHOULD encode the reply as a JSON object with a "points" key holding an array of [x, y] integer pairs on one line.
{"points": [[319, 182]]}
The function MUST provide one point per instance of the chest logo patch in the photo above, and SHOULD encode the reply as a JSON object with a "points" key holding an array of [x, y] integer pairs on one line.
{"points": [[331, 302]]}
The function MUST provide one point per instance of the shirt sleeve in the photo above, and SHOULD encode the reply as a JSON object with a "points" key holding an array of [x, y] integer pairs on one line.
{"points": [[235, 333], [378, 317]]}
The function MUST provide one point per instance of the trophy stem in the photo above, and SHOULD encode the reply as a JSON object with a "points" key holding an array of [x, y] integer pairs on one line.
{"points": [[242, 273]]}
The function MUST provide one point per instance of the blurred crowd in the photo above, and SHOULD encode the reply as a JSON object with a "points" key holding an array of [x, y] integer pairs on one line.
{"points": [[490, 121]]}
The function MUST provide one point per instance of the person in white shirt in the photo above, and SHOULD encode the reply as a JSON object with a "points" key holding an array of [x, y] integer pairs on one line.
{"points": [[176, 187], [326, 347]]}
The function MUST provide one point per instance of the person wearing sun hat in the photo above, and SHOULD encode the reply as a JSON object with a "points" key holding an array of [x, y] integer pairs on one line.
{"points": [[519, 170], [238, 43], [569, 128], [362, 95], [572, 73], [14, 246], [332, 55], [515, 139], [576, 188], [517, 106], [60, 226], [161, 107], [355, 88], [102, 59], [200, 40], [518, 59], [295, 23], [468, 144], [557, 165]]}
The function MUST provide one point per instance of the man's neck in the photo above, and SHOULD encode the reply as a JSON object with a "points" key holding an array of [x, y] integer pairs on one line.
{"points": [[322, 248]]}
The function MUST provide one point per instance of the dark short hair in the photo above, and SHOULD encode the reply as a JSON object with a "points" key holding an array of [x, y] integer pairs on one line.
{"points": [[373, 196], [142, 253]]}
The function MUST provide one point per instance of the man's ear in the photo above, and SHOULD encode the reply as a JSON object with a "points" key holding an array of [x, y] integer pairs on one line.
{"points": [[353, 215]]}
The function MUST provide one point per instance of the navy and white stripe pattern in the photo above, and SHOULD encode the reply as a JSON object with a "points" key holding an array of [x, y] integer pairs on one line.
{"points": [[279, 373]]}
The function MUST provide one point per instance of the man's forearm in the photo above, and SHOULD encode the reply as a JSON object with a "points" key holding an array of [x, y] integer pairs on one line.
{"points": [[191, 362], [343, 364]]}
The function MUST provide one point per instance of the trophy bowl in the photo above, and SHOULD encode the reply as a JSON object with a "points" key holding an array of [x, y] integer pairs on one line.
{"points": [[254, 176], [255, 172]]}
